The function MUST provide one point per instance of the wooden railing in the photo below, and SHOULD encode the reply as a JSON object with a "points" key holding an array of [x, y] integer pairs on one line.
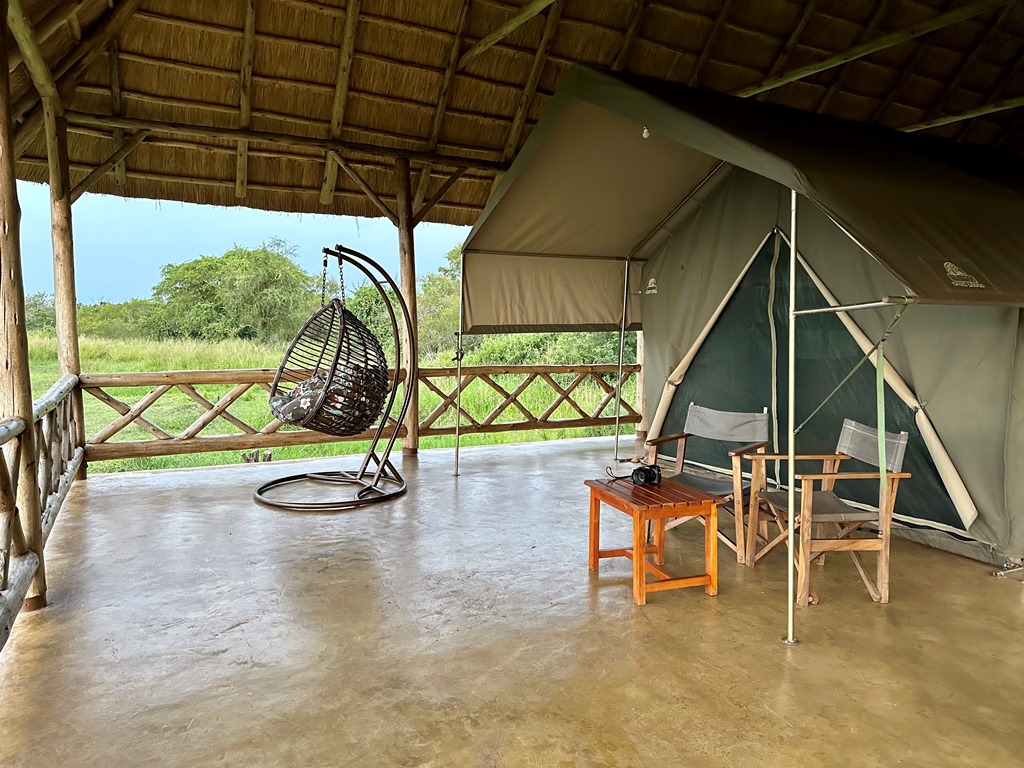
{"points": [[227, 410], [56, 459]]}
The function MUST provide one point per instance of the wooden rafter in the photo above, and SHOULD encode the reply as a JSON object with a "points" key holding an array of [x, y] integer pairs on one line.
{"points": [[364, 185], [519, 119], [885, 41], [442, 101], [104, 168], [25, 35], [528, 11], [794, 37], [906, 72], [968, 61], [287, 139], [348, 46], [63, 14], [245, 97], [709, 42], [117, 106], [631, 31], [984, 109], [1010, 129], [70, 72], [866, 34]]}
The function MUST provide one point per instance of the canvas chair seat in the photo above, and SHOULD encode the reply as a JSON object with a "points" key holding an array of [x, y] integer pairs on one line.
{"points": [[716, 486], [826, 507]]}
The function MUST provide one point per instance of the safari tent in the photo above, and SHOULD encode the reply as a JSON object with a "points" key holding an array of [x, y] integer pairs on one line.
{"points": [[650, 205]]}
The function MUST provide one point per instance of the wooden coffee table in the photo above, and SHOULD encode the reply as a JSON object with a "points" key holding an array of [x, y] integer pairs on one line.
{"points": [[670, 499]]}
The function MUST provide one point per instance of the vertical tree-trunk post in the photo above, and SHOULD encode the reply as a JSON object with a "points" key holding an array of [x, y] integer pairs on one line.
{"points": [[64, 295], [641, 395], [407, 258], [15, 387]]}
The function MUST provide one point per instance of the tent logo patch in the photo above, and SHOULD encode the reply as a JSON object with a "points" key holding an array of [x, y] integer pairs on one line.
{"points": [[959, 278], [652, 287]]}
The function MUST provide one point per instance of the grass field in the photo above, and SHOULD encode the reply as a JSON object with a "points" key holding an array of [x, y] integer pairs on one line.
{"points": [[174, 412]]}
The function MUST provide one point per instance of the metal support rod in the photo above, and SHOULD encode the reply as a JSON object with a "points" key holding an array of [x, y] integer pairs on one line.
{"points": [[886, 301], [790, 424], [622, 345]]}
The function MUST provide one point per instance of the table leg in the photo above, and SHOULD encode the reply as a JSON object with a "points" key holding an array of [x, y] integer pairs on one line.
{"points": [[711, 549], [595, 530], [659, 541], [639, 559]]}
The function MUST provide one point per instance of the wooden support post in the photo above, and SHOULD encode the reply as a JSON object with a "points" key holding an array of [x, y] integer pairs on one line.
{"points": [[15, 386], [407, 258], [65, 302], [641, 396]]}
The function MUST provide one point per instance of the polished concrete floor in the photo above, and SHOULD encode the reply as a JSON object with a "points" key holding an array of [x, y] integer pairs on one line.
{"points": [[459, 626]]}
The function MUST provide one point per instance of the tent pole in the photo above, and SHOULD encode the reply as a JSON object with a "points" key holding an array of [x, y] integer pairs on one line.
{"points": [[622, 345], [458, 359], [791, 422]]}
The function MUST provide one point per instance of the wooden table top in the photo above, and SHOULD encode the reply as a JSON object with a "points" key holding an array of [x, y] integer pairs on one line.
{"points": [[669, 493]]}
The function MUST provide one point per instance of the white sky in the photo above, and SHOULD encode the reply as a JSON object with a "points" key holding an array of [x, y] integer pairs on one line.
{"points": [[120, 244]]}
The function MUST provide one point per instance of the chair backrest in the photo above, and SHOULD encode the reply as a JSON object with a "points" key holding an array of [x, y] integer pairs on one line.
{"points": [[726, 425], [861, 442]]}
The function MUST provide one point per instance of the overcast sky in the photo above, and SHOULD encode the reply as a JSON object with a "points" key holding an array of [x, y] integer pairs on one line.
{"points": [[121, 244]]}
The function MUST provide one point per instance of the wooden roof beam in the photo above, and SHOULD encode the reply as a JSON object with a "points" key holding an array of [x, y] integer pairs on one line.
{"points": [[709, 42], [70, 71], [116, 105], [364, 185], [531, 9], [794, 37], [107, 165], [866, 49], [234, 134], [984, 109], [428, 206], [32, 54], [348, 46], [1011, 128], [245, 97], [631, 31], [996, 93], [54, 20], [442, 101], [519, 118]]}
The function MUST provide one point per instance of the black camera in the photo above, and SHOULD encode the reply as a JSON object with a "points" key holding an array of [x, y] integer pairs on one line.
{"points": [[647, 474]]}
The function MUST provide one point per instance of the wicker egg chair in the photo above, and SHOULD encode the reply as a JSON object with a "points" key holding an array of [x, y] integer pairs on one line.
{"points": [[334, 379]]}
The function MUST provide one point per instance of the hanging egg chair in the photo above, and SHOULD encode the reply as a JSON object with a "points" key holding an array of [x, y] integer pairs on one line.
{"points": [[334, 379]]}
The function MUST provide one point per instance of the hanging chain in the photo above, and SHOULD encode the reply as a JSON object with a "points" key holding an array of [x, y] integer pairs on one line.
{"points": [[323, 283], [341, 279]]}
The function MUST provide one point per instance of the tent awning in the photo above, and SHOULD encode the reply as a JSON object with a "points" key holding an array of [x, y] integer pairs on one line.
{"points": [[589, 187]]}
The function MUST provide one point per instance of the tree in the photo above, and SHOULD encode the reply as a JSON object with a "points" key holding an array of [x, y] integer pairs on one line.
{"points": [[39, 312], [251, 293], [115, 321]]}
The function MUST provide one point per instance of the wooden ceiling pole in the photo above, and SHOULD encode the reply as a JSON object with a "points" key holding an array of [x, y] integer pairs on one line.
{"points": [[423, 184], [866, 34], [114, 161], [63, 14], [885, 41], [1000, 87], [348, 46], [712, 36], [543, 49], [116, 106], [631, 31], [407, 285], [35, 62], [245, 97], [968, 61], [1011, 128], [15, 385], [531, 9], [87, 120], [794, 36], [364, 185], [428, 206], [70, 72], [984, 109]]}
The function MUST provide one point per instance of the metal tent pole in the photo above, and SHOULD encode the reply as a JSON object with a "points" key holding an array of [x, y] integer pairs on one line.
{"points": [[791, 424], [622, 344]]}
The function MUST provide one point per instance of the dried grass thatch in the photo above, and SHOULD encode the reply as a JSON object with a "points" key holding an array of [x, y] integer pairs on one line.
{"points": [[181, 62]]}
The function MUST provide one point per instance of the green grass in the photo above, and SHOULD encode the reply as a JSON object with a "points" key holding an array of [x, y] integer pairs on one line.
{"points": [[175, 411]]}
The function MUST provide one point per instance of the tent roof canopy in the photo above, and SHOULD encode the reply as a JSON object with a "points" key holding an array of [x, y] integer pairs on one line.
{"points": [[589, 184]]}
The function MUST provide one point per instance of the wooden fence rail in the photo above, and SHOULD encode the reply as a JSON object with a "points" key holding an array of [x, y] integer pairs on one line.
{"points": [[223, 413], [57, 460]]}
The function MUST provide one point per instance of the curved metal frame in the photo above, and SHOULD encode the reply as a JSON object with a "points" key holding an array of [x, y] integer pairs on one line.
{"points": [[384, 481]]}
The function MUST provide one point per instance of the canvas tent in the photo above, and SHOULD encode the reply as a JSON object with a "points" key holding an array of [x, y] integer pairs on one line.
{"points": [[687, 193]]}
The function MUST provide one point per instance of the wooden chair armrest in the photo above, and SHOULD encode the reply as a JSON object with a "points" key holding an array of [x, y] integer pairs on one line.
{"points": [[748, 448], [851, 475], [799, 456], [667, 439]]}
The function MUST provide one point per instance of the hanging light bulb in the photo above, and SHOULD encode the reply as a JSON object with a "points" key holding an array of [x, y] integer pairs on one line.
{"points": [[646, 133]]}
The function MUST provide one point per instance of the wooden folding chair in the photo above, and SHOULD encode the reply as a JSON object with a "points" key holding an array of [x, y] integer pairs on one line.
{"points": [[722, 426], [820, 510]]}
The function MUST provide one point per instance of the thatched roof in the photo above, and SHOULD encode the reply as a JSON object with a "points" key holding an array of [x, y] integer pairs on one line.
{"points": [[406, 78]]}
